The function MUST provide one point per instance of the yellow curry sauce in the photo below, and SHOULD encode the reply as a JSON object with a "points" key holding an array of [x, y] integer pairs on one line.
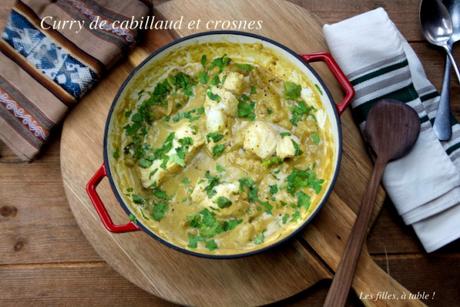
{"points": [[221, 148]]}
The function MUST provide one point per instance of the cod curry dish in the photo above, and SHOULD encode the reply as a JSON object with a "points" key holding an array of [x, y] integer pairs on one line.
{"points": [[221, 148]]}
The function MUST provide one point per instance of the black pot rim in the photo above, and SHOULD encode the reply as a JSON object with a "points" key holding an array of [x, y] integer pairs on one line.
{"points": [[227, 256]]}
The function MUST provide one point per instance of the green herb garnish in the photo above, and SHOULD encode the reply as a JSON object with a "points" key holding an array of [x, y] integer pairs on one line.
{"points": [[246, 108], [203, 77], [292, 90], [214, 136], [159, 211], [215, 80], [285, 218], [213, 96], [285, 133], [300, 111], [211, 245], [303, 200], [272, 161], [220, 63], [213, 181], [204, 59], [218, 150], [137, 199], [315, 138], [223, 202], [273, 189], [220, 168], [245, 68], [193, 240], [303, 179], [297, 149]]}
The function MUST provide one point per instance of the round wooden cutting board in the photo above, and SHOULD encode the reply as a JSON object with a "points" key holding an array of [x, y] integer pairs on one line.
{"points": [[189, 280]]}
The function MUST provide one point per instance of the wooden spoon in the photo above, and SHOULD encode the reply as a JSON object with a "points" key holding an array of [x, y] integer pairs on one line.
{"points": [[391, 130]]}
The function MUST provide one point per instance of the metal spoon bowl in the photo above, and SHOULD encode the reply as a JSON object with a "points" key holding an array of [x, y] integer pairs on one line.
{"points": [[437, 27]]}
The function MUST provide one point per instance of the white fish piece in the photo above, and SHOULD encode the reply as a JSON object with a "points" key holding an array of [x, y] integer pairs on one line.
{"points": [[234, 83], [264, 140], [229, 190], [261, 139], [285, 148], [155, 173], [217, 111]]}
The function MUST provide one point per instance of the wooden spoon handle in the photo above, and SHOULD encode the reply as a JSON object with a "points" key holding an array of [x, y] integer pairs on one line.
{"points": [[341, 283]]}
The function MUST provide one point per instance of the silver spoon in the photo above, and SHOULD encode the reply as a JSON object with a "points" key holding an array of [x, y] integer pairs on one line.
{"points": [[442, 126], [437, 27]]}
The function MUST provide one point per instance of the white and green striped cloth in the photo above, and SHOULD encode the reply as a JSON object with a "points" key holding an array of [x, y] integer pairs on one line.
{"points": [[424, 185]]}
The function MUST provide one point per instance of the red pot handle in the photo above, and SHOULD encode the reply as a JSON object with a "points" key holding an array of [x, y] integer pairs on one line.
{"points": [[338, 74], [99, 206]]}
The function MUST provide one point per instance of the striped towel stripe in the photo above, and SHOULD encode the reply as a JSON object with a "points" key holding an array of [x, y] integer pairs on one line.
{"points": [[392, 79]]}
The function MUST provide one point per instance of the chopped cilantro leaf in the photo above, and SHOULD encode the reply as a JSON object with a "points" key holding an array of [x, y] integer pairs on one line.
{"points": [[193, 240], [231, 224], [303, 179], [137, 199], [266, 205], [218, 150], [272, 161], [161, 153], [246, 108], [299, 112], [285, 218], [185, 181], [315, 138], [297, 149], [177, 159], [206, 223], [213, 96], [285, 133], [249, 184], [220, 168], [273, 189], [220, 63], [185, 82], [253, 90], [203, 77], [132, 217], [211, 245], [215, 80], [295, 216], [145, 163], [214, 136], [213, 181], [191, 115], [303, 200], [204, 59], [292, 90], [159, 193], [245, 68], [223, 202], [159, 211]]}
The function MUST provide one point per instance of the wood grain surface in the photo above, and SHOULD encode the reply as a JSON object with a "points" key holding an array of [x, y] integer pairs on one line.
{"points": [[157, 269], [46, 260]]}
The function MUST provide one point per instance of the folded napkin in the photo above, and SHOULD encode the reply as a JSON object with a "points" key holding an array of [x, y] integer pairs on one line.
{"points": [[424, 185], [45, 72]]}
